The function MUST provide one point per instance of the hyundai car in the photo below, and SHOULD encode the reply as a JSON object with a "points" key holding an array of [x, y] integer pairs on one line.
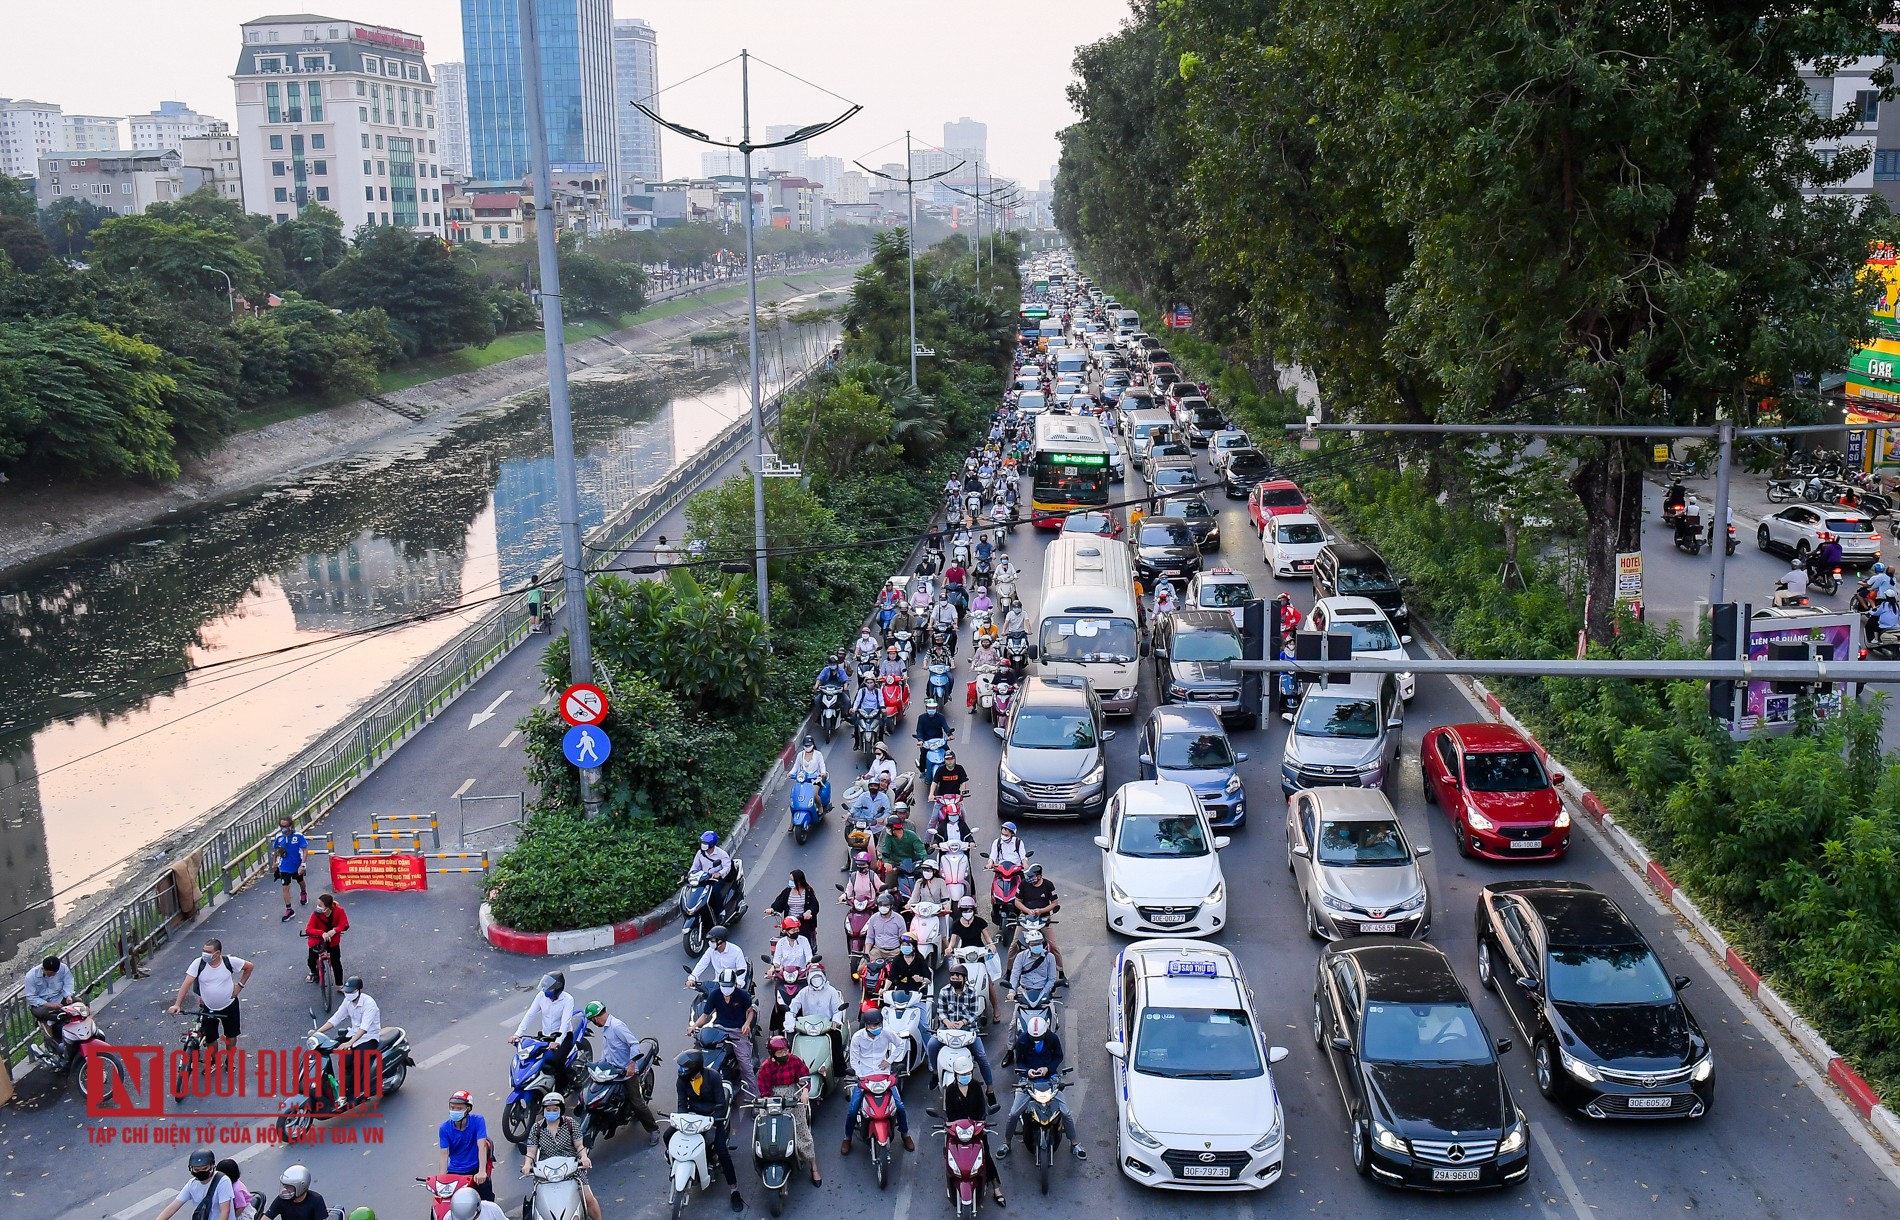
{"points": [[1161, 862]]}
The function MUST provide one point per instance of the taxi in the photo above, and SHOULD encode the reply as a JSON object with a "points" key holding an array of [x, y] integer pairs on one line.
{"points": [[1196, 1107], [1221, 589]]}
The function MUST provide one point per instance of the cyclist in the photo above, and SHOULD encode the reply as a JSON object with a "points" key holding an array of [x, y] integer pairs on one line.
{"points": [[324, 931], [219, 982]]}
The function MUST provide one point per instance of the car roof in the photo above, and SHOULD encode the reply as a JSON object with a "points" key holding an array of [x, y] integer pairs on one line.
{"points": [[1575, 915], [1151, 959], [1403, 972], [1480, 737], [1157, 796], [1356, 553], [1222, 576], [1345, 605], [1186, 718], [1164, 519], [1062, 692], [1280, 485], [1347, 804], [1211, 620], [1245, 451], [1296, 519]]}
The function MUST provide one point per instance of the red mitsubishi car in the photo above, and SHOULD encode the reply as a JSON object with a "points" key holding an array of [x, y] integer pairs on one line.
{"points": [[1500, 797]]}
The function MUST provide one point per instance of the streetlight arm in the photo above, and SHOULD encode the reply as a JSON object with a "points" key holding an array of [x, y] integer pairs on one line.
{"points": [[747, 146]]}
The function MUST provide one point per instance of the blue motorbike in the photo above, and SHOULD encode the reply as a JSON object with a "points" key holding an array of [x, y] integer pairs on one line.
{"points": [[934, 750], [807, 809], [938, 687], [531, 1077]]}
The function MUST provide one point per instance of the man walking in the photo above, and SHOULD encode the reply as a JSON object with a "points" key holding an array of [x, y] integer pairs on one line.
{"points": [[219, 982], [287, 847]]}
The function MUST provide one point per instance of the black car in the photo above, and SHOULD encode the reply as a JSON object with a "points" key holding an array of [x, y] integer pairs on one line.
{"points": [[1608, 1031], [1201, 518], [1194, 653], [1425, 1095], [1347, 569], [1202, 420], [1168, 478], [1243, 469], [1166, 446], [1165, 546]]}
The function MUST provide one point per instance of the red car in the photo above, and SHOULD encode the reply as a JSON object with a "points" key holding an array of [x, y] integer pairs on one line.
{"points": [[1274, 498], [1501, 799]]}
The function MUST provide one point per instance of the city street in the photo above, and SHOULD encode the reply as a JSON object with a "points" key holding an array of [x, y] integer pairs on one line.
{"points": [[1775, 1144]]}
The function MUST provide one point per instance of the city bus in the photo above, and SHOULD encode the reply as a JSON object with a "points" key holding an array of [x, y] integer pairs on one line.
{"points": [[1069, 468], [1029, 321]]}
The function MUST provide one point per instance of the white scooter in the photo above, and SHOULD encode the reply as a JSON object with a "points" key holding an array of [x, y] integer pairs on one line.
{"points": [[953, 868], [687, 1151], [556, 1194], [953, 1040], [926, 926], [906, 1016], [983, 966]]}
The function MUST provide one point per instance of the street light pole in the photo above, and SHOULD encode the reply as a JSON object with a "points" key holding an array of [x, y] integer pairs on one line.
{"points": [[230, 296], [580, 652], [910, 233]]}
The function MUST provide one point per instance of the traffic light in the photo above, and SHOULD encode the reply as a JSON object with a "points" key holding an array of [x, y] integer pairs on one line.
{"points": [[1724, 645], [1783, 650]]}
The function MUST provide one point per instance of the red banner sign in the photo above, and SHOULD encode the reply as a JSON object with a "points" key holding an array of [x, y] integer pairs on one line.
{"points": [[396, 872]]}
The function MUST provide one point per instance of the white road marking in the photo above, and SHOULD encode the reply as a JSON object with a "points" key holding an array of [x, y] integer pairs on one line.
{"points": [[146, 1204], [900, 1208], [597, 980], [255, 1150], [488, 713], [634, 955], [510, 739], [443, 1056], [466, 785], [546, 699], [1569, 1184]]}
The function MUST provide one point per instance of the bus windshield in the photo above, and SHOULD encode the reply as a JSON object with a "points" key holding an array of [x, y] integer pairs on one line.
{"points": [[1074, 480], [1088, 639]]}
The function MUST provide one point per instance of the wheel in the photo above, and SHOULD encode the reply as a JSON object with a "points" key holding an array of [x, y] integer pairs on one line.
{"points": [[1761, 537], [1777, 493], [1319, 1024], [1431, 792], [800, 834], [1486, 978], [679, 1204], [1464, 838], [181, 1078], [1361, 1151], [1801, 550], [777, 1202], [294, 1126], [392, 1080], [515, 1125], [1545, 1070], [589, 1134], [883, 1173], [326, 984], [1312, 919], [693, 939], [1042, 1174], [1289, 857]]}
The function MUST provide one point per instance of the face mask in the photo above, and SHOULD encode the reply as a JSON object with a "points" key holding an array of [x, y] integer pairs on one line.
{"points": [[203, 1175], [884, 907], [456, 1116], [552, 1115], [725, 989], [968, 917], [963, 1078]]}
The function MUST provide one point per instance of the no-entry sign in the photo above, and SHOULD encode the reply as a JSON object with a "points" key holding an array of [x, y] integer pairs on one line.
{"points": [[583, 703]]}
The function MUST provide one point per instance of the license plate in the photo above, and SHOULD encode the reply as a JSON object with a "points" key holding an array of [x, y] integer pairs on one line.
{"points": [[1462, 1173], [1301, 565], [1052, 805], [1207, 1171], [1171, 917], [1379, 927], [1526, 844], [1650, 1103]]}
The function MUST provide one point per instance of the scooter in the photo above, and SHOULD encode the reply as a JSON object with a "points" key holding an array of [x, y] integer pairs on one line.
{"points": [[938, 687], [895, 697], [1016, 653], [1688, 535], [698, 913], [934, 750], [983, 966], [926, 925], [789, 981], [1782, 490], [1001, 697], [807, 813], [604, 1108], [963, 1164], [877, 1119], [906, 646], [861, 910], [811, 1042], [905, 1013], [557, 1190], [319, 1095], [1042, 1121], [953, 868], [830, 708], [774, 1148], [952, 1040], [1824, 578], [79, 1041], [442, 1188], [867, 731], [530, 1078], [983, 690], [689, 1165], [1005, 880]]}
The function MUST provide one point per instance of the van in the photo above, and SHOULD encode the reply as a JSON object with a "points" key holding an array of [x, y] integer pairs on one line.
{"points": [[1345, 734], [1071, 362], [1090, 618], [1126, 321], [1141, 425]]}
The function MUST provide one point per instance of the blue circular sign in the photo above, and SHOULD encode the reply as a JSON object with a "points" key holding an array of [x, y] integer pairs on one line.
{"points": [[586, 745]]}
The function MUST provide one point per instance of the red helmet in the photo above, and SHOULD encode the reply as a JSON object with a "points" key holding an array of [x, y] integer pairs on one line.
{"points": [[778, 1044], [789, 924], [463, 1096]]}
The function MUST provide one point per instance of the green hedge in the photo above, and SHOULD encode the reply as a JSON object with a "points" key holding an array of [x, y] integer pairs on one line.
{"points": [[568, 872]]}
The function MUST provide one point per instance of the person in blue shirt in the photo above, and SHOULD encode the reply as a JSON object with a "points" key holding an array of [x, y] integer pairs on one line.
{"points": [[465, 1145], [1880, 582], [287, 848]]}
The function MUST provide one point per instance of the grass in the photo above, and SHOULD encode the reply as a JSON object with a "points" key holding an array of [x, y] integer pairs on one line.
{"points": [[279, 410]]}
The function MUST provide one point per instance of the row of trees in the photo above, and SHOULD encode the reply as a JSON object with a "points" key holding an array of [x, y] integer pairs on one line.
{"points": [[1504, 210]]}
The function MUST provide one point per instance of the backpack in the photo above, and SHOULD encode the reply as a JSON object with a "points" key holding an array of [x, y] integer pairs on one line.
{"points": [[208, 1204]]}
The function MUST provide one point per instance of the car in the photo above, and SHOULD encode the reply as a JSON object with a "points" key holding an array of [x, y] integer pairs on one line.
{"points": [[1220, 589], [1351, 568], [1117, 457], [1194, 653], [1163, 377], [1201, 518], [1243, 470], [1165, 546], [1353, 868], [1161, 862], [1168, 477], [1224, 442], [1053, 764], [1609, 1035], [1274, 498], [1426, 1101], [1028, 381], [1291, 543], [1165, 447], [1202, 421], [1373, 636], [1113, 384], [1196, 1108], [1104, 522], [1188, 744], [1345, 732], [1493, 784], [1031, 403], [1800, 529]]}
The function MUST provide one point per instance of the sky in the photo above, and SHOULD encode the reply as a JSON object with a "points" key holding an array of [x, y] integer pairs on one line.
{"points": [[1002, 62]]}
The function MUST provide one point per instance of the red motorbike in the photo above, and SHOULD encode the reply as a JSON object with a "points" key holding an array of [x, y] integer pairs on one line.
{"points": [[79, 1042], [862, 909], [787, 982], [1005, 880], [871, 979], [442, 1188], [877, 1119], [895, 696], [963, 1165]]}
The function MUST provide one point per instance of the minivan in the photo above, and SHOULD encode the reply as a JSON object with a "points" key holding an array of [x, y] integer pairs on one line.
{"points": [[1345, 734]]}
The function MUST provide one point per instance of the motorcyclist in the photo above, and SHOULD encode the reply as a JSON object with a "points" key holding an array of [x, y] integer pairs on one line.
{"points": [[1033, 972], [901, 620], [467, 1204], [1673, 500], [550, 1016], [932, 725], [865, 650], [868, 702], [810, 760], [358, 1020], [1886, 615], [708, 1095], [1165, 600], [720, 955], [969, 930], [791, 949], [1794, 580], [986, 654], [872, 1052], [833, 674], [818, 998], [1828, 557], [910, 971], [729, 1007], [944, 621], [1015, 620], [716, 862], [618, 1050], [929, 887], [885, 930], [1880, 582], [296, 1201], [900, 846], [783, 1075], [882, 764], [984, 550], [874, 803], [956, 574], [1036, 1054], [49, 988], [1007, 847], [956, 1007], [982, 603], [892, 666]]}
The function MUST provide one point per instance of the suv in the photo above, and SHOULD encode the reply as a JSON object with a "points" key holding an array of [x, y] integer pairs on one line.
{"points": [[1348, 568], [1203, 421], [1194, 652], [1168, 477], [1165, 546], [1243, 470], [1345, 734], [1053, 764], [1189, 745]]}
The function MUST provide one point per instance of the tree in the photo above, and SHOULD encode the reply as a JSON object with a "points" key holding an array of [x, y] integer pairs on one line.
{"points": [[23, 243], [208, 209], [82, 397], [838, 429], [308, 244], [174, 255], [601, 287], [69, 223], [700, 641], [795, 519], [426, 289], [16, 199]]}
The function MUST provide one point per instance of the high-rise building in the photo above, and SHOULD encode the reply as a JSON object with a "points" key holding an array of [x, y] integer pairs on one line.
{"points": [[577, 87], [341, 114], [28, 131], [636, 79], [724, 163], [169, 127], [451, 111], [787, 158], [89, 133], [968, 137], [853, 187]]}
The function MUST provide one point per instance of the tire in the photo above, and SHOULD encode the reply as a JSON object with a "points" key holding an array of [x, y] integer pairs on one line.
{"points": [[1761, 538], [800, 834], [1042, 1174], [1777, 494], [1464, 838], [679, 1204], [777, 1203], [1431, 793], [1312, 920], [1361, 1149], [1801, 551], [1487, 976], [326, 984], [393, 1082], [1319, 1024], [515, 1126], [693, 939], [181, 1078], [291, 1128], [1544, 1067], [589, 1135], [883, 1173]]}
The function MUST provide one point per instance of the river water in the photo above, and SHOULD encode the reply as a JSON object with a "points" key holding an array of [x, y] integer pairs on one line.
{"points": [[135, 690]]}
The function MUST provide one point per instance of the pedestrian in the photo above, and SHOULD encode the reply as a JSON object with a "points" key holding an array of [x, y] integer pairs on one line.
{"points": [[287, 850], [323, 933], [208, 1194], [663, 554], [466, 1148], [219, 982]]}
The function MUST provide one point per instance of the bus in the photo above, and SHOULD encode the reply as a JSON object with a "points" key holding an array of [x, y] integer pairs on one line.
{"points": [[1029, 321], [1090, 618], [1070, 468]]}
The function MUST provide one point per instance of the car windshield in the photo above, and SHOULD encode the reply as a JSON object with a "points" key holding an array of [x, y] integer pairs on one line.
{"points": [[1193, 752], [1197, 1044], [1174, 476], [1368, 634], [1206, 417], [1233, 440], [1165, 533], [1504, 771], [1035, 729], [1359, 844], [1247, 463], [1195, 507], [1281, 497], [1302, 533], [1362, 579], [1087, 523], [1850, 525], [1206, 646], [1226, 595], [1150, 836], [1080, 638], [1422, 1033], [1338, 716], [1624, 974]]}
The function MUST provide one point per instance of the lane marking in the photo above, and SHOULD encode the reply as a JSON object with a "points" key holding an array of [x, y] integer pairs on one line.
{"points": [[546, 699], [466, 785], [597, 980], [442, 1056], [510, 739], [146, 1204], [633, 955], [488, 713], [1549, 1149], [255, 1150]]}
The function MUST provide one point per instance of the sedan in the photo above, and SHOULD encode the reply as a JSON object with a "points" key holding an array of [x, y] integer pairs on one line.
{"points": [[1800, 529], [1609, 1034], [1222, 444], [1160, 862], [1352, 866], [1164, 447], [1165, 546], [1102, 522], [1492, 783], [1243, 470], [1202, 420], [1372, 635], [1194, 652], [1291, 543], [1201, 518], [1426, 1100], [1220, 589], [1274, 498], [1189, 745], [1168, 478]]}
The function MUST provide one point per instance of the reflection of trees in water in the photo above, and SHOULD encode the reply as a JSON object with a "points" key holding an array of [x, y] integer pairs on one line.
{"points": [[26, 877]]}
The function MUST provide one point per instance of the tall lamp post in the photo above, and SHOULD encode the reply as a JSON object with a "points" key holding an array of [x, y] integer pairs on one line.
{"points": [[230, 295], [910, 182], [746, 148], [980, 196]]}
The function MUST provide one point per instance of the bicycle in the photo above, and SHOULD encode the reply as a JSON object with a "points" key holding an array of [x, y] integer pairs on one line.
{"points": [[326, 981], [191, 1049]]}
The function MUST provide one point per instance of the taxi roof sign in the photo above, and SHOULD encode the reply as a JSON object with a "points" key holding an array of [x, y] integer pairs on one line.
{"points": [[1203, 970]]}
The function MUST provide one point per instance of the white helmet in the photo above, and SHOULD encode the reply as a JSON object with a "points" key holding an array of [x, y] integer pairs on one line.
{"points": [[465, 1204], [961, 1063]]}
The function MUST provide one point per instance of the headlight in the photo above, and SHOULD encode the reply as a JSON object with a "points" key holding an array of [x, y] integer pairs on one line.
{"points": [[1413, 903], [1139, 1136], [1272, 1136], [1126, 692], [1513, 1139], [1369, 768], [1563, 819], [1233, 783], [1384, 1136], [1177, 691], [1217, 893], [1335, 904], [1578, 1068], [1096, 776], [1705, 1068], [1120, 895], [1007, 776], [1478, 820]]}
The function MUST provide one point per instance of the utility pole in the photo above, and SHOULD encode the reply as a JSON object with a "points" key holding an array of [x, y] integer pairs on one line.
{"points": [[910, 181], [580, 650]]}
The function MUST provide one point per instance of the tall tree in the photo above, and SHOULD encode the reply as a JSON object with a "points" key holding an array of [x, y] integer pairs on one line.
{"points": [[427, 289], [307, 245], [69, 224], [15, 198], [175, 255]]}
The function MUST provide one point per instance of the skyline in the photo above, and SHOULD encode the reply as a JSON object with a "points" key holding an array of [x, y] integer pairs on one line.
{"points": [[997, 63]]}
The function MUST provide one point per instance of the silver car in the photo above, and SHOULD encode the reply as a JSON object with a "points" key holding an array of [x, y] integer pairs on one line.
{"points": [[1352, 866], [1345, 733]]}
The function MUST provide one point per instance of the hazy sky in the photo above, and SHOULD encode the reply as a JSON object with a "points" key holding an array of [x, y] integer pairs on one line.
{"points": [[1002, 62]]}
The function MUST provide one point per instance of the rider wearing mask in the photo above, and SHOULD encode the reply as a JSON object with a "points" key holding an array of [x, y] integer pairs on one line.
{"points": [[818, 998], [958, 1006], [865, 650], [550, 1015], [899, 846], [705, 1093], [810, 760], [618, 1050], [716, 862], [873, 1050], [884, 932], [933, 724], [961, 1102], [834, 673], [783, 1075], [1037, 1053]]}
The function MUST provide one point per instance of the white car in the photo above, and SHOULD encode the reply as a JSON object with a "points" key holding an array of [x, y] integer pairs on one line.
{"points": [[1196, 1106], [1220, 589], [1031, 403], [1161, 862], [1373, 636], [1028, 381], [1117, 461], [1225, 442], [1291, 544], [1797, 529]]}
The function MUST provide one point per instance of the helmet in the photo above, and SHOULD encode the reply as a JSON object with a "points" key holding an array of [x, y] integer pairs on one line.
{"points": [[728, 978], [1010, 827], [204, 1158], [778, 1043], [553, 1099], [907, 941], [460, 1095], [1798, 564], [1034, 870], [553, 983], [594, 1009], [809, 743], [718, 932], [881, 748], [362, 1213], [959, 971], [966, 903], [871, 1018], [928, 866], [352, 986], [1879, 568], [789, 924], [1036, 1025], [465, 1204], [961, 1063], [863, 857], [837, 658], [1033, 940], [816, 978], [296, 1179], [709, 839], [690, 1062]]}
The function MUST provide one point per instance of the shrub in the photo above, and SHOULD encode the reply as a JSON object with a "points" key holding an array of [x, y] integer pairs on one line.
{"points": [[569, 872]]}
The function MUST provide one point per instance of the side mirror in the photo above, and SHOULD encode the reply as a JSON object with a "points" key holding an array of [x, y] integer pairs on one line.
{"points": [[1145, 648], [1032, 652], [1101, 841], [1108, 734], [1160, 651], [1241, 756], [1342, 1045], [1556, 777], [1528, 982], [999, 730], [1115, 1049], [931, 1111], [1299, 849], [1682, 982], [1287, 716], [1422, 850], [1221, 841], [1146, 760], [1276, 1053], [1396, 722], [1504, 1046], [1405, 639]]}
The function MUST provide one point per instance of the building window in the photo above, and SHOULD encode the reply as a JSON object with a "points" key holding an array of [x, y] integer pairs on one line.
{"points": [[379, 141], [1826, 156], [273, 35], [314, 63], [366, 139], [269, 63], [282, 195], [333, 32], [369, 194], [431, 122], [316, 102], [359, 88], [1821, 97], [415, 71], [1887, 165], [382, 170], [125, 188], [250, 36], [273, 111], [362, 114], [323, 194], [428, 97], [504, 232], [276, 143], [283, 218], [276, 169], [316, 140], [322, 169], [372, 64], [488, 232], [431, 145], [382, 193], [385, 217], [295, 101], [404, 93], [1867, 106]]}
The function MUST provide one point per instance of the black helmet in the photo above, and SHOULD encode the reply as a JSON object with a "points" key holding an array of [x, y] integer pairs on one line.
{"points": [[204, 1158], [690, 1062], [354, 986], [553, 983], [718, 932], [871, 1018]]}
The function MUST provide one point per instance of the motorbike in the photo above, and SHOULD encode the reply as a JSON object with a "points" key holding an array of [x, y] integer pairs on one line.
{"points": [[530, 1078], [982, 693], [79, 1041], [604, 1108], [442, 1188], [1000, 514], [938, 686], [807, 813], [1042, 1121], [982, 626], [859, 914], [953, 867], [1033, 1003], [689, 1158], [963, 1164], [949, 821], [557, 1190], [906, 646], [1782, 490], [902, 878], [1863, 599], [867, 730], [905, 1014], [1016, 653], [984, 966], [1005, 880], [789, 981], [1006, 586], [1688, 535], [934, 750], [1001, 697], [811, 1042], [319, 1091], [774, 1148], [953, 1040], [926, 925], [1824, 578], [698, 915], [895, 697], [830, 708], [877, 1119]]}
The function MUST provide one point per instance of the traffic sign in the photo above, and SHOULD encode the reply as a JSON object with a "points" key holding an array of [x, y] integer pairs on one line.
{"points": [[586, 746], [583, 703]]}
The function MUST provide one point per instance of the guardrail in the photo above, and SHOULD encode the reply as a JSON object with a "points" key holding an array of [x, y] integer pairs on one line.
{"points": [[214, 866]]}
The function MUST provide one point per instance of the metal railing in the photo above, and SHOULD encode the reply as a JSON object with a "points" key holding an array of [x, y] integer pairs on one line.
{"points": [[110, 946]]}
